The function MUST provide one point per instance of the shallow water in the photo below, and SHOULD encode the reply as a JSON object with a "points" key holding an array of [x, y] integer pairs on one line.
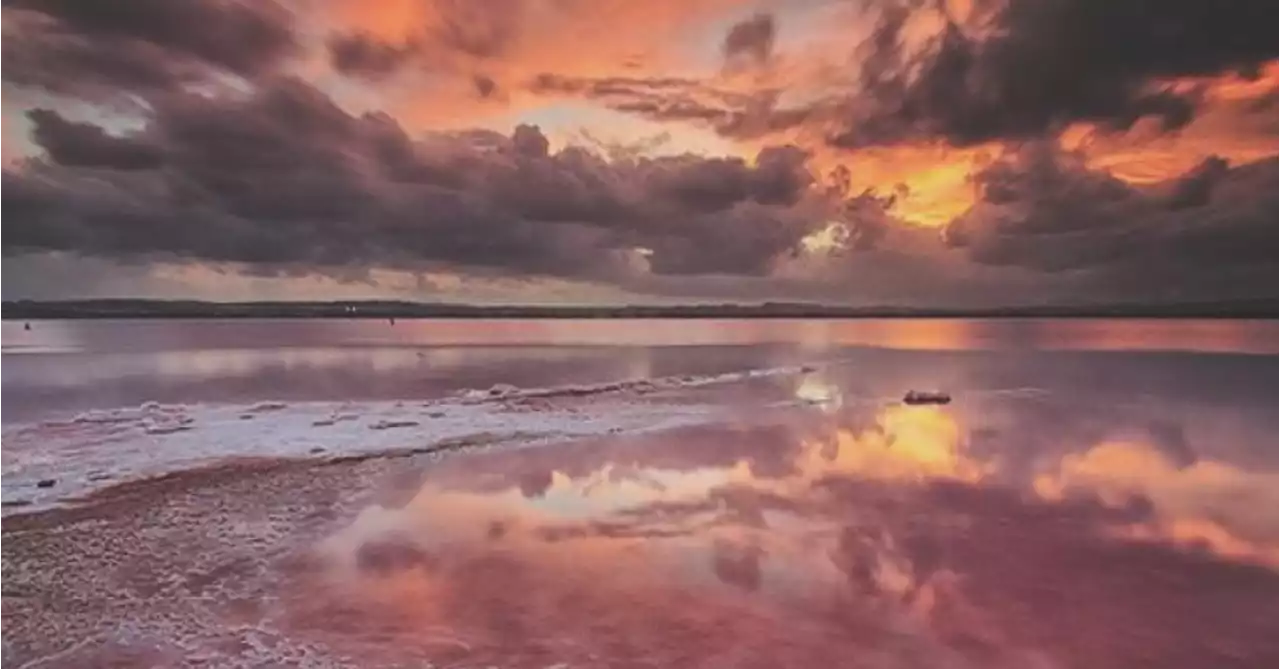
{"points": [[1098, 494], [65, 366]]}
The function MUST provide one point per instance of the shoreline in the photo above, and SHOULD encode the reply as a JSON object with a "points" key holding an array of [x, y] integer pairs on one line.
{"points": [[1259, 308]]}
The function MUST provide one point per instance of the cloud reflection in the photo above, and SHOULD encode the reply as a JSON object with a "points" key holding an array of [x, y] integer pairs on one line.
{"points": [[905, 443], [832, 537], [1226, 509]]}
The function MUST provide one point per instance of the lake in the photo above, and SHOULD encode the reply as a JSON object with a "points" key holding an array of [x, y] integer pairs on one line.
{"points": [[534, 493], [59, 366]]}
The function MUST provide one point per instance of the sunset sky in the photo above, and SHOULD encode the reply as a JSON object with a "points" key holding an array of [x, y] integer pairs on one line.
{"points": [[927, 153]]}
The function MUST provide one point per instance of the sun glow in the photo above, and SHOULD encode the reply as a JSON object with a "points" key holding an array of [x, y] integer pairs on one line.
{"points": [[832, 237]]}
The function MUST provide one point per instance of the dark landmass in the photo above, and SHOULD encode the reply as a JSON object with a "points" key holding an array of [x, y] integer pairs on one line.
{"points": [[139, 308]]}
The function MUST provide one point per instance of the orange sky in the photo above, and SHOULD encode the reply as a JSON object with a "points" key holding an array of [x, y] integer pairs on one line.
{"points": [[631, 79], [681, 38]]}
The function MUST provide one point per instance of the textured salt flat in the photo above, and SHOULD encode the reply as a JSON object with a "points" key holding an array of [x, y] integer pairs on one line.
{"points": [[97, 449]]}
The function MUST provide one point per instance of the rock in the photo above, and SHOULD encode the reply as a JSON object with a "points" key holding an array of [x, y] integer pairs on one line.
{"points": [[46, 483], [918, 397], [15, 503], [316, 449]]}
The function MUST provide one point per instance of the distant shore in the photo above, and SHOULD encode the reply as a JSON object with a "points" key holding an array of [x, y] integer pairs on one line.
{"points": [[141, 309]]}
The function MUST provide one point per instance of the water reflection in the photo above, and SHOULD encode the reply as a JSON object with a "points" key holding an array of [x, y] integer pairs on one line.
{"points": [[62, 367], [1215, 504], [818, 535]]}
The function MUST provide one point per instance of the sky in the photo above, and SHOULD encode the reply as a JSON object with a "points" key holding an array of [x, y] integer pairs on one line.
{"points": [[959, 153]]}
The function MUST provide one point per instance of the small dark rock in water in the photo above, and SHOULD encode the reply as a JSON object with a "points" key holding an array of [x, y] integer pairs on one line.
{"points": [[16, 502], [316, 449], [46, 483], [926, 397], [808, 369]]}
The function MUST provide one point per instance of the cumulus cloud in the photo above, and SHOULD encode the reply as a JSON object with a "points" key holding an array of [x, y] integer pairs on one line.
{"points": [[1019, 70], [1007, 71], [214, 131], [87, 145], [285, 177], [1042, 208], [96, 50]]}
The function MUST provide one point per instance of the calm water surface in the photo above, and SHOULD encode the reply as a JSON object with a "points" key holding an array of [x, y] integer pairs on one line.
{"points": [[1099, 494], [61, 366]]}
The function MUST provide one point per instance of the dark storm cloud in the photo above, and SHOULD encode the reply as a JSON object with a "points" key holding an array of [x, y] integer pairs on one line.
{"points": [[1021, 69], [1044, 209], [237, 36], [285, 178], [82, 47], [87, 145], [1195, 188], [364, 55], [1014, 70], [751, 38], [460, 30], [715, 184]]}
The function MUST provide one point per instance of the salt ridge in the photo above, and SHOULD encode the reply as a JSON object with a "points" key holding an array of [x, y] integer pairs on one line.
{"points": [[101, 448]]}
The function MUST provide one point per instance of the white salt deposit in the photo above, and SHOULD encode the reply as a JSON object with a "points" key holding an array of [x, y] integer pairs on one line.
{"points": [[99, 448]]}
